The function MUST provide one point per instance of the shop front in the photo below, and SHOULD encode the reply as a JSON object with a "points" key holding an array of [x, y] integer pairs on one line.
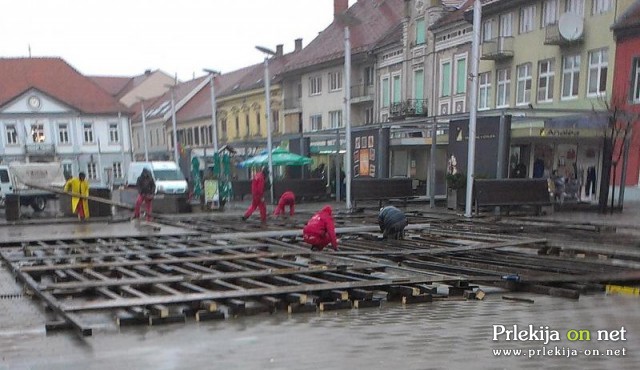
{"points": [[566, 150]]}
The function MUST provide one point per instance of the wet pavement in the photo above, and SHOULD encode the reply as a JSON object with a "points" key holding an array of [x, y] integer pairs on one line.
{"points": [[437, 335]]}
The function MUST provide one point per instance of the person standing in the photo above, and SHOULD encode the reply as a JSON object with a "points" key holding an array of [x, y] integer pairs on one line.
{"points": [[79, 185], [146, 190], [288, 198], [257, 194], [320, 230], [392, 222]]}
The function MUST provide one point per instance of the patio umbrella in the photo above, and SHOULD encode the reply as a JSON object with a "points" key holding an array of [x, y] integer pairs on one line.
{"points": [[279, 157]]}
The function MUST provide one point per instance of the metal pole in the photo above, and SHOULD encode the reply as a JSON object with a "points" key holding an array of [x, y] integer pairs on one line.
{"points": [[347, 114], [473, 103], [500, 165], [432, 164], [337, 164], [176, 158], [144, 132], [214, 119], [268, 108]]}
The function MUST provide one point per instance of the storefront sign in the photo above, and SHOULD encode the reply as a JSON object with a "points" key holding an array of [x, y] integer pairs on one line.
{"points": [[370, 152]]}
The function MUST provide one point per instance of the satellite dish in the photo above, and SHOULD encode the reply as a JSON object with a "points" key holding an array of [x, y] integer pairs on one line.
{"points": [[571, 26]]}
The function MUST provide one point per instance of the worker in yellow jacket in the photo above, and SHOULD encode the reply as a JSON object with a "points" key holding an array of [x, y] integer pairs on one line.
{"points": [[79, 185]]}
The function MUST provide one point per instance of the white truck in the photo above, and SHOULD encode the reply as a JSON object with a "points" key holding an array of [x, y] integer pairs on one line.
{"points": [[15, 176]]}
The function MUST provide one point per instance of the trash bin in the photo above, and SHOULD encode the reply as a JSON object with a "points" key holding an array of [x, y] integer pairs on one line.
{"points": [[12, 207], [97, 209]]}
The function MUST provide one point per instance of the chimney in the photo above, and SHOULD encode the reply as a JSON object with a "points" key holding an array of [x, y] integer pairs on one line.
{"points": [[147, 72], [279, 50], [298, 45], [340, 6]]}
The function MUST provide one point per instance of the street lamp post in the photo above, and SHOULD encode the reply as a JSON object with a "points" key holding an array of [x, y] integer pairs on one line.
{"points": [[267, 88], [176, 158], [144, 130], [214, 119]]}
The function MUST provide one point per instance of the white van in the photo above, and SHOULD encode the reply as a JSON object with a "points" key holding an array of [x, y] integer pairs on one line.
{"points": [[168, 177]]}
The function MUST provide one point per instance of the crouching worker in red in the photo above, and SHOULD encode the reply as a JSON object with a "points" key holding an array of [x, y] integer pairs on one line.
{"points": [[320, 230], [287, 199]]}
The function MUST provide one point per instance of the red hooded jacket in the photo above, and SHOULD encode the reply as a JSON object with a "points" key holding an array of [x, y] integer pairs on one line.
{"points": [[321, 224], [257, 185]]}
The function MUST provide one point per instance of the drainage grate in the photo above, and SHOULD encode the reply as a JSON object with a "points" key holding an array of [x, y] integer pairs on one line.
{"points": [[10, 296]]}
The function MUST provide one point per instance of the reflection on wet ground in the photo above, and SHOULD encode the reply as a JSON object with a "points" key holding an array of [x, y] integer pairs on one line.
{"points": [[439, 335]]}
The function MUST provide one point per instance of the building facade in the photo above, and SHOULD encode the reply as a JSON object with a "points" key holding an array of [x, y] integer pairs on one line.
{"points": [[50, 112]]}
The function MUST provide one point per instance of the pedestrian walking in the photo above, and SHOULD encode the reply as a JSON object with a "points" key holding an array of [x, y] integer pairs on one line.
{"points": [[288, 198], [392, 222], [79, 185], [257, 193], [146, 191], [320, 230]]}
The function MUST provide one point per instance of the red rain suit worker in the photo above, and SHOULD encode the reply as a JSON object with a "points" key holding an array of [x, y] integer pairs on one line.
{"points": [[287, 199], [320, 230], [257, 194]]}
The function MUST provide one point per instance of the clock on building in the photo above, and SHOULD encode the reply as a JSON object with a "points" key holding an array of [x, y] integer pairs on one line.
{"points": [[34, 102]]}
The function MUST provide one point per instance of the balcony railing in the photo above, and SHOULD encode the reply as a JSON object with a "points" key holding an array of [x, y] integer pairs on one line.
{"points": [[408, 108], [498, 48], [552, 36], [40, 148], [361, 91], [292, 103]]}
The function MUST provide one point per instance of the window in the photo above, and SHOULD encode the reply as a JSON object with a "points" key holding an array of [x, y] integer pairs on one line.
{"points": [[546, 76], [87, 129], [506, 25], [63, 133], [316, 122], [4, 176], [237, 126], [258, 123], [635, 81], [549, 12], [397, 90], [315, 85], [117, 170], [114, 136], [598, 67], [67, 168], [461, 75], [37, 133], [196, 136], [484, 91], [12, 134], [570, 76], [189, 138], [275, 120], [418, 90], [205, 134], [487, 30], [527, 17], [420, 31], [335, 118], [92, 171], [503, 90], [247, 124], [138, 139], [368, 115], [335, 81], [445, 79], [601, 6], [575, 6], [386, 96], [524, 84], [223, 126], [368, 76]]}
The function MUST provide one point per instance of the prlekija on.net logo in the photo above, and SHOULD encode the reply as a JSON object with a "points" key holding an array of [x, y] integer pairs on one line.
{"points": [[545, 334]]}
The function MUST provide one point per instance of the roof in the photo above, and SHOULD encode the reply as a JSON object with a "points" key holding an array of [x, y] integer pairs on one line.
{"points": [[56, 78], [629, 19], [453, 17], [112, 85], [376, 19], [158, 107]]}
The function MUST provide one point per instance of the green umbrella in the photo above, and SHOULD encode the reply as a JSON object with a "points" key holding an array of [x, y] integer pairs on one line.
{"points": [[279, 157]]}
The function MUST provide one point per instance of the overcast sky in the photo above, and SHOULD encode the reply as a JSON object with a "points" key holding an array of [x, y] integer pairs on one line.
{"points": [[126, 37]]}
